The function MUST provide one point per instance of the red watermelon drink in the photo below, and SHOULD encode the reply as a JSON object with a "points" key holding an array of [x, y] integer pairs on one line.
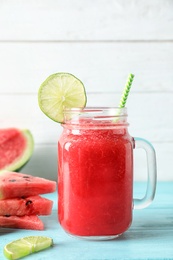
{"points": [[95, 174]]}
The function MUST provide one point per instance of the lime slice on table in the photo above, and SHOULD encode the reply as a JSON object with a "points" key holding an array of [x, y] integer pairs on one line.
{"points": [[59, 91], [26, 246]]}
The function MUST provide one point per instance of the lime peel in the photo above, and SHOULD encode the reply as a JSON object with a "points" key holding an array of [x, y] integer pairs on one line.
{"points": [[26, 246]]}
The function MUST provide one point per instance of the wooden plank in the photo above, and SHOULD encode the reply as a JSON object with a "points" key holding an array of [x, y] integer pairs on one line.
{"points": [[147, 121], [103, 67], [149, 237], [152, 123], [86, 20]]}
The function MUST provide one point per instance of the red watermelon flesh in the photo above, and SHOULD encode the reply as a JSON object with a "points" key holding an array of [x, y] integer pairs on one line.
{"points": [[33, 205], [13, 185], [24, 222], [16, 147]]}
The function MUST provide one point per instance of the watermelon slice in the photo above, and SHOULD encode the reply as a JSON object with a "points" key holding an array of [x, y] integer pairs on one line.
{"points": [[16, 148], [33, 205], [14, 185], [25, 222]]}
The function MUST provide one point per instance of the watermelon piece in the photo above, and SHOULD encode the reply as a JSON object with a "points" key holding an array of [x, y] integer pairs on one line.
{"points": [[16, 148], [14, 185], [33, 205], [24, 222]]}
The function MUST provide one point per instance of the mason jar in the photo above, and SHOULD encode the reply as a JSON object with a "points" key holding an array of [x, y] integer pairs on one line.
{"points": [[95, 173]]}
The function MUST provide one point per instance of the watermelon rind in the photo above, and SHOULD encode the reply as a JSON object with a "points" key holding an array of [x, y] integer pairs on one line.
{"points": [[27, 153]]}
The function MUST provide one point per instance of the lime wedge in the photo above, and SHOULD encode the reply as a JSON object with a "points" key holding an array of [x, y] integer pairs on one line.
{"points": [[26, 246], [60, 91]]}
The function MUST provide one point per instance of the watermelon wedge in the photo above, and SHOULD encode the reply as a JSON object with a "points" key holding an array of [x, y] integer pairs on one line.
{"points": [[25, 222], [33, 205], [16, 148], [14, 185]]}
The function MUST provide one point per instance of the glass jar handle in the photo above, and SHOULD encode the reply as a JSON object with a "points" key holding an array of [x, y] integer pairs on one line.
{"points": [[152, 173]]}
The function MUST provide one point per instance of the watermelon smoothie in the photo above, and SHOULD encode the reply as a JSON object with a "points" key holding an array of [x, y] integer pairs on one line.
{"points": [[95, 176]]}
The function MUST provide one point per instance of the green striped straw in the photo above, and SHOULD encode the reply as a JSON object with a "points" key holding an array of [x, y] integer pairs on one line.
{"points": [[125, 93]]}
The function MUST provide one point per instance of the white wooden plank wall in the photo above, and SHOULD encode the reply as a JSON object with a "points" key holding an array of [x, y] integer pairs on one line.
{"points": [[99, 41]]}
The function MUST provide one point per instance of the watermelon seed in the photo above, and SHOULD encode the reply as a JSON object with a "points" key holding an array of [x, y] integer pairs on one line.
{"points": [[12, 180], [7, 216], [28, 202], [27, 178]]}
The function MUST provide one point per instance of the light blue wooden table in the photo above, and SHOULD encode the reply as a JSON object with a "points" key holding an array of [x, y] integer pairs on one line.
{"points": [[150, 236]]}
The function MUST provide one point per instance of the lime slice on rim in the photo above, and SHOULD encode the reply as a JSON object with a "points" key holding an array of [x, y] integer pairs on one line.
{"points": [[26, 246], [60, 91]]}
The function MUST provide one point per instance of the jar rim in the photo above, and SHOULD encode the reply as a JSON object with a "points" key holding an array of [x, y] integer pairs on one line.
{"points": [[95, 109], [96, 115], [98, 111]]}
